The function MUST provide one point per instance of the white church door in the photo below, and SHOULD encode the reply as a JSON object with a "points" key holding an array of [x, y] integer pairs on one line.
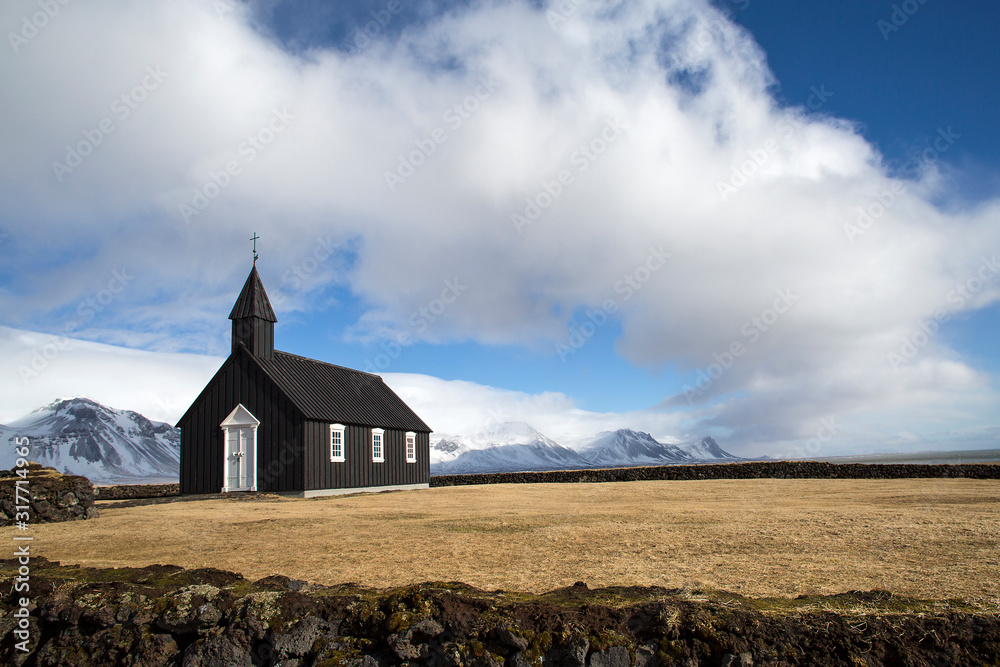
{"points": [[240, 465], [240, 442]]}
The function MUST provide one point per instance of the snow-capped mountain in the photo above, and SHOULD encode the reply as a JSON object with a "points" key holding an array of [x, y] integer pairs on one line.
{"points": [[445, 448], [510, 446], [707, 449], [517, 447], [83, 437], [625, 446]]}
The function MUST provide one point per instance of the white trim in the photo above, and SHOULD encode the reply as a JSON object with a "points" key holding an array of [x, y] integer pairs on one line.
{"points": [[341, 429], [411, 447], [364, 489], [378, 453], [240, 418]]}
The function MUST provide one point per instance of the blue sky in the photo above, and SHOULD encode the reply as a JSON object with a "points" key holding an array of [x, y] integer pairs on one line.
{"points": [[901, 84], [700, 269]]}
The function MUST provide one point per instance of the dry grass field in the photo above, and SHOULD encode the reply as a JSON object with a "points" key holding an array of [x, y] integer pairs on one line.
{"points": [[930, 538]]}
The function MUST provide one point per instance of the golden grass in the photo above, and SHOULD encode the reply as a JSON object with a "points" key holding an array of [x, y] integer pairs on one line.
{"points": [[930, 538]]}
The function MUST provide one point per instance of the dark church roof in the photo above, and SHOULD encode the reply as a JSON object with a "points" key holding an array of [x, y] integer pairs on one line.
{"points": [[253, 301], [329, 393]]}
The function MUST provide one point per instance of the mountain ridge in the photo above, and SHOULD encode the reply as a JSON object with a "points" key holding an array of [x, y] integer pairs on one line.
{"points": [[517, 447], [82, 437], [110, 446]]}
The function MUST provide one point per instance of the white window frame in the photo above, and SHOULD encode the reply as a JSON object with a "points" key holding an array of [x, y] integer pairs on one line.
{"points": [[340, 430], [378, 453], [411, 447]]}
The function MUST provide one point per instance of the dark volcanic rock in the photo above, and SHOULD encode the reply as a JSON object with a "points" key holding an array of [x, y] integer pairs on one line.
{"points": [[744, 470], [134, 491], [512, 641], [616, 656], [299, 640], [164, 615], [51, 495], [220, 649]]}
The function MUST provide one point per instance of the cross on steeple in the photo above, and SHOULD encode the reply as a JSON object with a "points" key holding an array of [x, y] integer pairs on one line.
{"points": [[254, 239]]}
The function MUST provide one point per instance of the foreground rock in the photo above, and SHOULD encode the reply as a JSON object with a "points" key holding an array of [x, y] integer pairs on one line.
{"points": [[53, 496], [164, 615]]}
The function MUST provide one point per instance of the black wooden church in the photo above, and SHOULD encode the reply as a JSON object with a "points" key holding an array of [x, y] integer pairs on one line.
{"points": [[273, 421]]}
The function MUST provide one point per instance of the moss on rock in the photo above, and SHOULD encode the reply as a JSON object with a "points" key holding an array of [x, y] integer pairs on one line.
{"points": [[163, 615]]}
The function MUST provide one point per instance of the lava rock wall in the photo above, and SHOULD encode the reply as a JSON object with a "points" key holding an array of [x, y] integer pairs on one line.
{"points": [[53, 496], [748, 470], [136, 491]]}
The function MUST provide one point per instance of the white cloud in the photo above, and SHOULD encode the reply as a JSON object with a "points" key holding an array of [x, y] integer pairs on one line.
{"points": [[162, 385], [692, 90], [456, 407], [40, 368]]}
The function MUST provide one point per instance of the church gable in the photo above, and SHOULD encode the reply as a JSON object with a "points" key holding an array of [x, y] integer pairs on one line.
{"points": [[241, 382]]}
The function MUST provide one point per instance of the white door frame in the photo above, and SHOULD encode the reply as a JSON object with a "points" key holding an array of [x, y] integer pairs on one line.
{"points": [[240, 418]]}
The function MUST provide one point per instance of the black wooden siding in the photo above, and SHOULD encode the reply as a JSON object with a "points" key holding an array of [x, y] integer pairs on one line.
{"points": [[358, 470], [279, 436], [256, 334]]}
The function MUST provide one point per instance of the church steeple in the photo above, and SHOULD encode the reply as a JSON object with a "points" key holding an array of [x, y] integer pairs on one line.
{"points": [[253, 318]]}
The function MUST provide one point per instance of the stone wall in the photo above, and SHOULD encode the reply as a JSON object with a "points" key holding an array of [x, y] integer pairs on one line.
{"points": [[54, 496], [747, 470], [135, 491]]}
